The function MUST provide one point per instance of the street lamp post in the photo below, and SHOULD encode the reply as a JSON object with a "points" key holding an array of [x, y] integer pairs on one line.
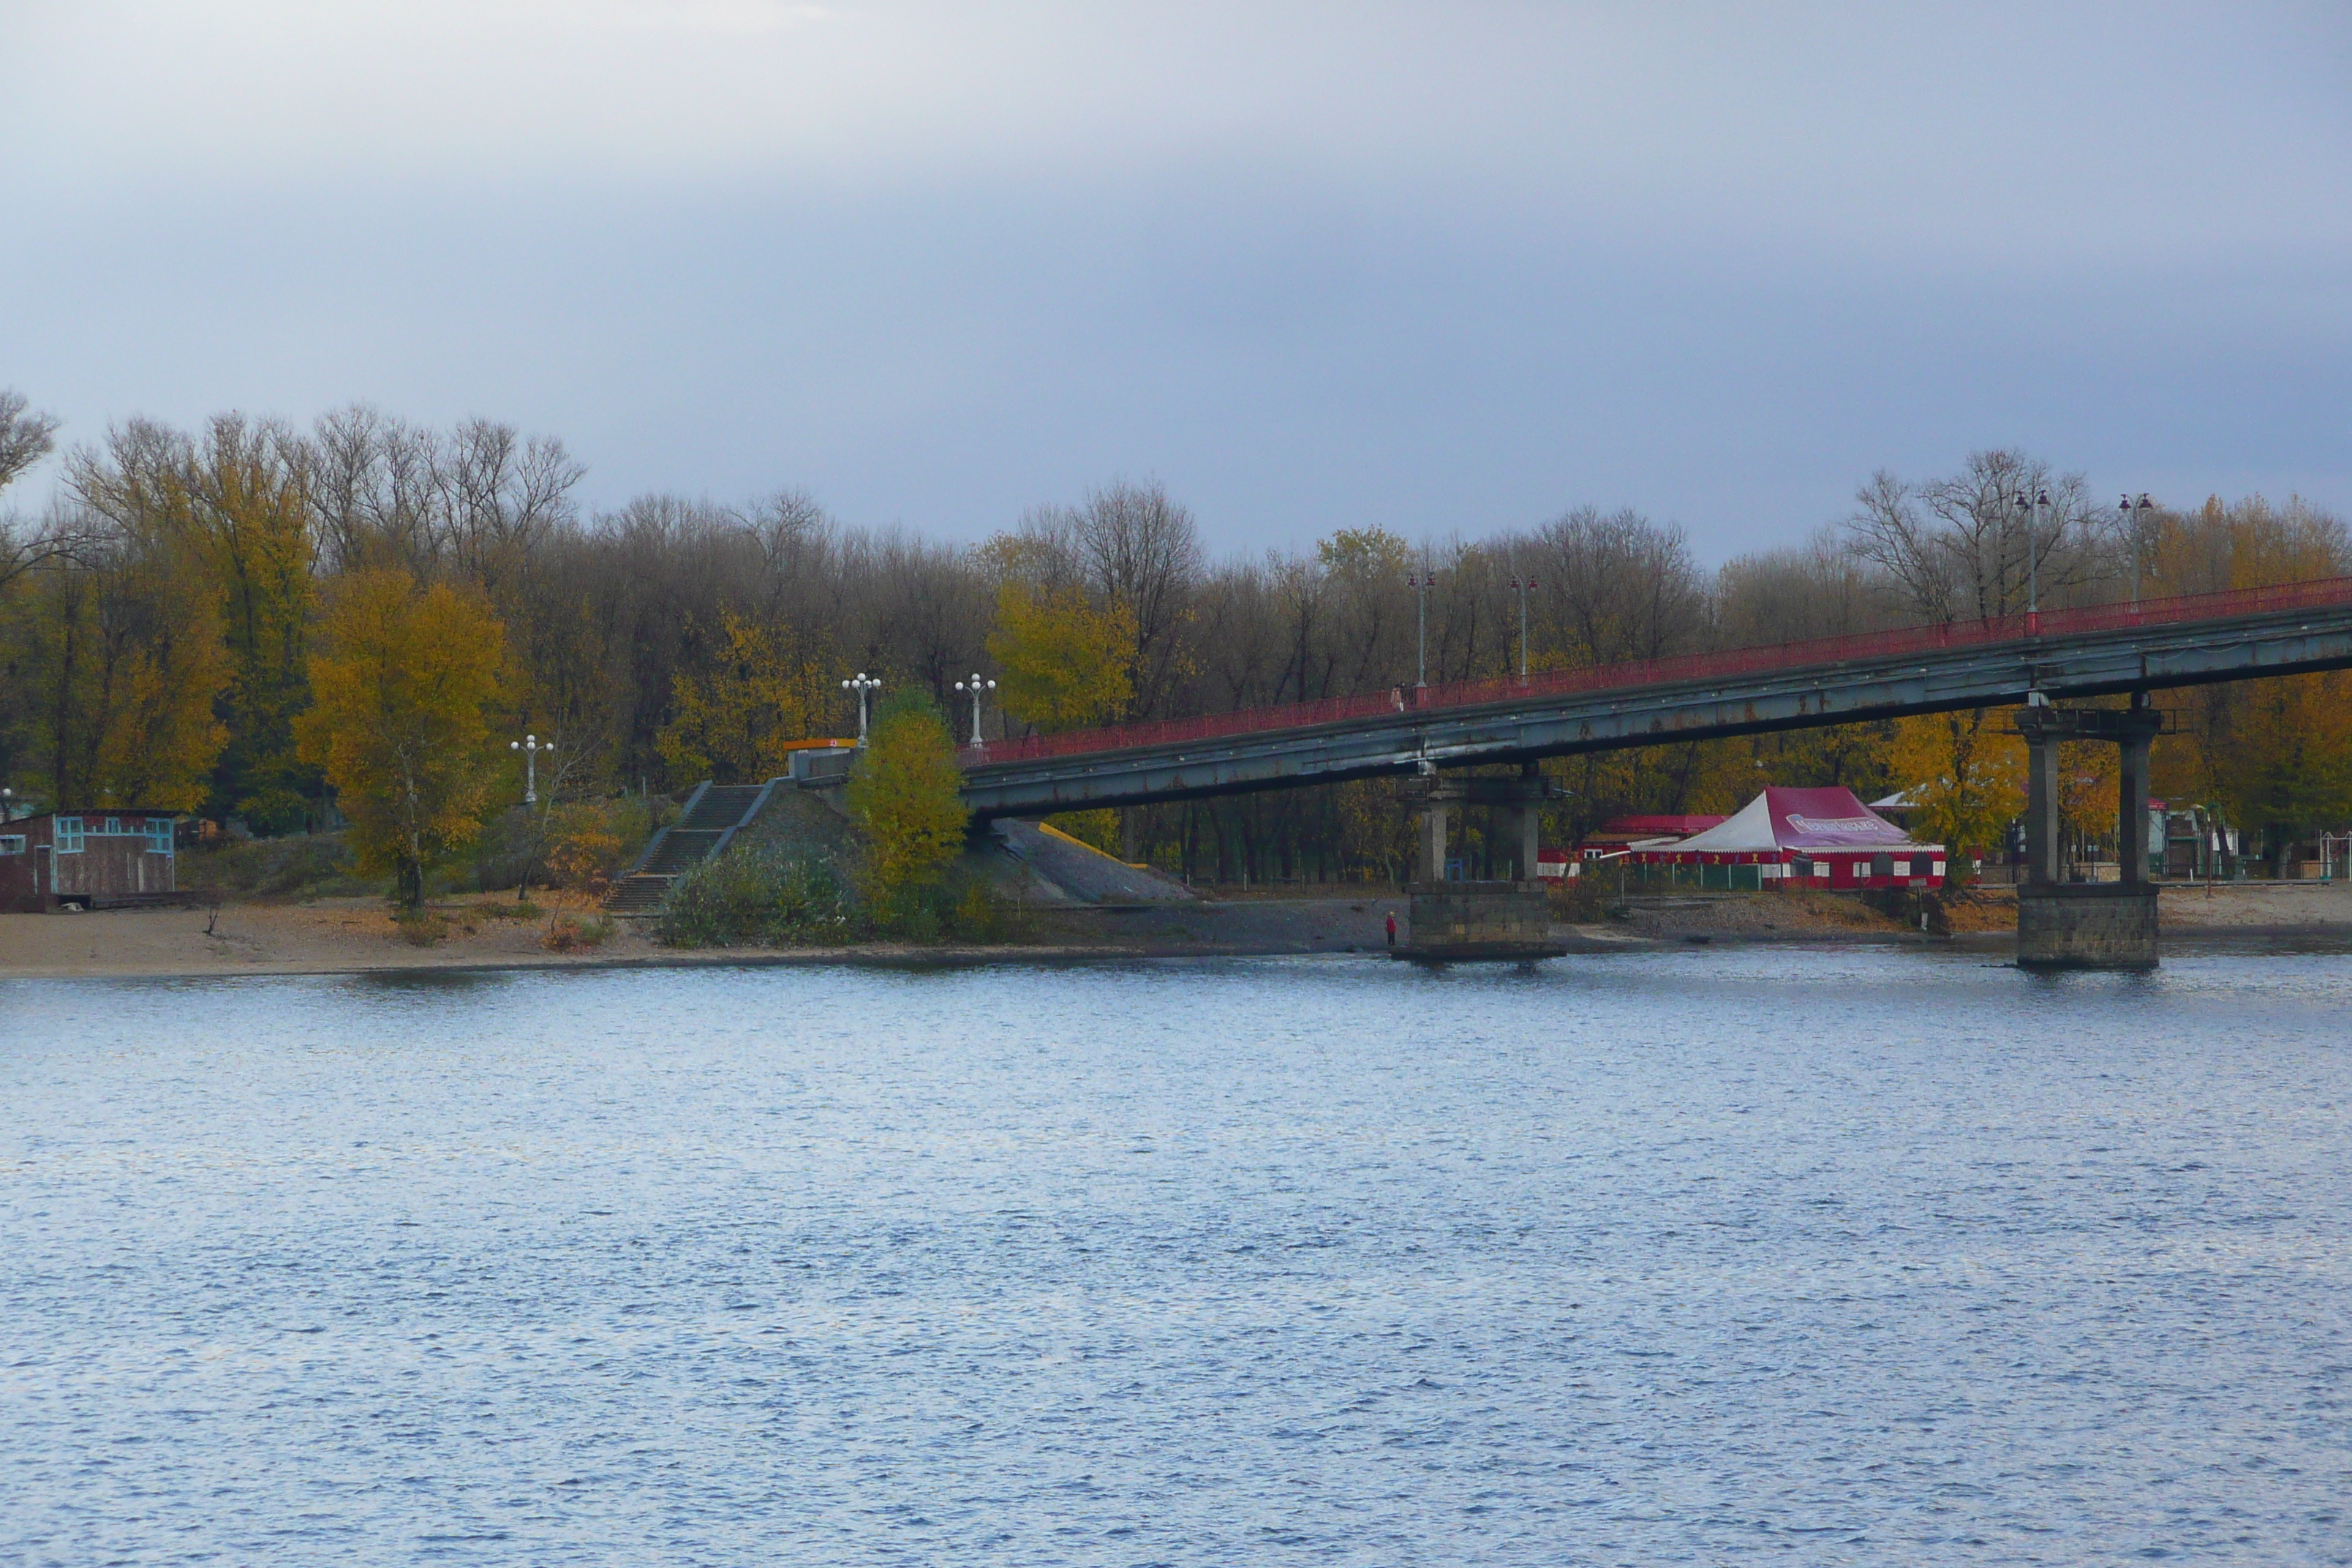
{"points": [[976, 687], [2139, 526], [2032, 506], [862, 683], [1521, 589], [1421, 582], [531, 746]]}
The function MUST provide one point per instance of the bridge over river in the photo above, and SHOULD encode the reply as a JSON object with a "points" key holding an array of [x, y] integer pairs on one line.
{"points": [[2077, 653]]}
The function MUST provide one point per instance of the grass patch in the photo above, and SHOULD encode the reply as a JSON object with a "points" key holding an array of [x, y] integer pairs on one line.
{"points": [[506, 910]]}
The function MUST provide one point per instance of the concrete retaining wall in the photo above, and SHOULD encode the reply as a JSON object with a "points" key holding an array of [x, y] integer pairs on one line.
{"points": [[2086, 925], [1479, 919]]}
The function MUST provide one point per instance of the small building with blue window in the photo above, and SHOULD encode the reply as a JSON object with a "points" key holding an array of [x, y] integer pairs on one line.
{"points": [[87, 860]]}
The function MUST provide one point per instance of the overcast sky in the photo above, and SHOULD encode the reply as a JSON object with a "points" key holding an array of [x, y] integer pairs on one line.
{"points": [[1433, 267]]}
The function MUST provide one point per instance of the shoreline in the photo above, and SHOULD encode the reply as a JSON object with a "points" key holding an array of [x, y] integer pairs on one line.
{"points": [[353, 937]]}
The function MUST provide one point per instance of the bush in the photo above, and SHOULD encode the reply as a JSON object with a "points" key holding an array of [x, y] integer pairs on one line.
{"points": [[274, 811], [588, 841], [313, 866], [568, 933], [420, 928], [762, 896], [1586, 899], [759, 898], [504, 910]]}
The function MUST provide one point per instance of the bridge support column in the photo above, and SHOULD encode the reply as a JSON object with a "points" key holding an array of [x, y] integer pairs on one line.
{"points": [[2042, 866], [1525, 832], [1431, 840], [2131, 828], [1467, 922], [2086, 925]]}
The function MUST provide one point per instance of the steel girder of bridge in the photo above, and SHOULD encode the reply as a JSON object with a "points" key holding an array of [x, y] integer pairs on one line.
{"points": [[2088, 664]]}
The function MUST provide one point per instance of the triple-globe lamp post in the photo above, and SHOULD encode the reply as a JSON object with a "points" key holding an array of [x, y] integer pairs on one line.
{"points": [[862, 684], [531, 746], [977, 687]]}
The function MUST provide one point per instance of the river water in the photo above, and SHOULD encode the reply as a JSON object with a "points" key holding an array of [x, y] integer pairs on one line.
{"points": [[1805, 1257]]}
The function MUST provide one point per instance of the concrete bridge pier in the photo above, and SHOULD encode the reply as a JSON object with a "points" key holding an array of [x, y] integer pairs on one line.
{"points": [[1458, 922], [2086, 925], [1431, 840]]}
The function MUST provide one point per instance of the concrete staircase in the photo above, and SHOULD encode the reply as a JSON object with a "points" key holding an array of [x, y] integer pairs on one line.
{"points": [[713, 814]]}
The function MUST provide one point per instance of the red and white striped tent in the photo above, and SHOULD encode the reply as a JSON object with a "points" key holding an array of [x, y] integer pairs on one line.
{"points": [[1813, 838]]}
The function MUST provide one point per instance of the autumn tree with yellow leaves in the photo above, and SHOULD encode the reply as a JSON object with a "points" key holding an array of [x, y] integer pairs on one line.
{"points": [[123, 659], [402, 687], [1965, 773], [739, 719], [231, 512], [1064, 661]]}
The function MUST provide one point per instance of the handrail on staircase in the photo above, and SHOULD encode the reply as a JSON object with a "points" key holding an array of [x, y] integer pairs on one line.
{"points": [[653, 844], [758, 803]]}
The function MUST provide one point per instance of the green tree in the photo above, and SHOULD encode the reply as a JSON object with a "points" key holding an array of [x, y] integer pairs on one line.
{"points": [[122, 664], [403, 682], [905, 791], [232, 511]]}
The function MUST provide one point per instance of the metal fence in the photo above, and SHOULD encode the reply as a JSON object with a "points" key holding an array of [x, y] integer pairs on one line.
{"points": [[1825, 653]]}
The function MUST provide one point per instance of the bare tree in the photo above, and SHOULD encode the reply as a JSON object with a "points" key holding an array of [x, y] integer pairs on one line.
{"points": [[1983, 543], [1617, 586], [26, 437], [1819, 589], [1143, 552]]}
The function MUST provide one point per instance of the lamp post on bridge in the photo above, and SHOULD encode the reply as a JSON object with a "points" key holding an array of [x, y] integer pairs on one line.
{"points": [[976, 687], [862, 683], [2138, 526], [1421, 582], [1521, 589], [2032, 505]]}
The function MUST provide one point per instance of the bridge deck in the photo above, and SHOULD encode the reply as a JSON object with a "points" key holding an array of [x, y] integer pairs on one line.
{"points": [[2067, 653]]}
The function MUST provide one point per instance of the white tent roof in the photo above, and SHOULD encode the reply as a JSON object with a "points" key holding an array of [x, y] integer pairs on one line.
{"points": [[1747, 831], [1813, 820]]}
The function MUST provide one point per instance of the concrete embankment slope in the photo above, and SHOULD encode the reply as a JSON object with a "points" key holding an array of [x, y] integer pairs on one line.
{"points": [[1081, 873]]}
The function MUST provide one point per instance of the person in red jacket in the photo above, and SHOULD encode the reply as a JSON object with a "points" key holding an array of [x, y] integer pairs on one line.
{"points": [[1392, 928]]}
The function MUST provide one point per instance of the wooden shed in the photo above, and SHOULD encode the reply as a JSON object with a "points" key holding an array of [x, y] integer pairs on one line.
{"points": [[91, 860]]}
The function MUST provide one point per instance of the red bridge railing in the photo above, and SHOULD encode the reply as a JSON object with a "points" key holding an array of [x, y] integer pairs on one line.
{"points": [[2328, 593]]}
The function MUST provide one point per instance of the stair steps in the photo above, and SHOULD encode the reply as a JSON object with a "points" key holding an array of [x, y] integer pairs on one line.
{"points": [[713, 814]]}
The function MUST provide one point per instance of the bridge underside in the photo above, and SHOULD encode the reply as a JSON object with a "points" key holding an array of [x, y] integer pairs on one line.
{"points": [[1989, 675]]}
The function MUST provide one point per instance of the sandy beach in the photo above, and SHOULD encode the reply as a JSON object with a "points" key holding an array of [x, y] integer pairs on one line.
{"points": [[351, 935]]}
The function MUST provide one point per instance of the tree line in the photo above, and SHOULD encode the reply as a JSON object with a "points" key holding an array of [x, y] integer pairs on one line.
{"points": [[226, 621]]}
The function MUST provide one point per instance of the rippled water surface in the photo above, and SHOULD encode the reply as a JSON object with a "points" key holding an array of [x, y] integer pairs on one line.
{"points": [[1813, 1256]]}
